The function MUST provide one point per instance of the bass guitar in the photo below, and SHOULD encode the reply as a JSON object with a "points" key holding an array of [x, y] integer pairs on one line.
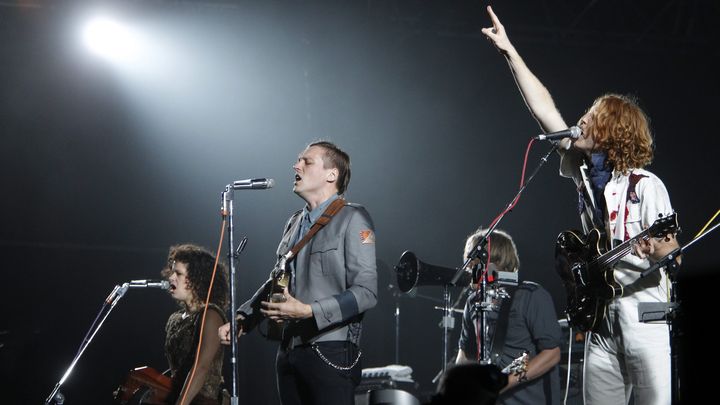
{"points": [[586, 269]]}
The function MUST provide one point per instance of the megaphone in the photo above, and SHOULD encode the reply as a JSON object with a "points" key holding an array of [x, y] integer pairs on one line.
{"points": [[412, 272]]}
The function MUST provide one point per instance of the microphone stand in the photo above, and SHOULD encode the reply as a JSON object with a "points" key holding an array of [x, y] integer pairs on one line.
{"points": [[110, 302], [448, 323], [398, 296], [227, 211], [396, 315], [480, 251], [671, 265], [397, 331]]}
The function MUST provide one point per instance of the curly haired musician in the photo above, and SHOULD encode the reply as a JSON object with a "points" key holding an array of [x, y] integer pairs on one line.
{"points": [[529, 325], [624, 357], [189, 272], [333, 282]]}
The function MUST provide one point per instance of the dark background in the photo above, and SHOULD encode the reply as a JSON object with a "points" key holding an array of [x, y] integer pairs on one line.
{"points": [[105, 165]]}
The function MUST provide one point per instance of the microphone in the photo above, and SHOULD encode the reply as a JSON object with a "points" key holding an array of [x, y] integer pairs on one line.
{"points": [[162, 284], [572, 132], [253, 184]]}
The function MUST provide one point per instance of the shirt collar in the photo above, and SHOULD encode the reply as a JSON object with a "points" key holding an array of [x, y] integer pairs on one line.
{"points": [[318, 211]]}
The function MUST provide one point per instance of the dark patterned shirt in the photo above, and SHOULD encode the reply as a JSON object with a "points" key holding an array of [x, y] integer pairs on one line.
{"points": [[181, 337]]}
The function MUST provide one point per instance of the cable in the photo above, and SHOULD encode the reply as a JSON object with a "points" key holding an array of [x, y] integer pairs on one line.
{"points": [[707, 224], [188, 383], [522, 186], [569, 362], [492, 224]]}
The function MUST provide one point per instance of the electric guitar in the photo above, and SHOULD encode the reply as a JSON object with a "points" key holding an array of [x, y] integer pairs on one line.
{"points": [[586, 269], [280, 280]]}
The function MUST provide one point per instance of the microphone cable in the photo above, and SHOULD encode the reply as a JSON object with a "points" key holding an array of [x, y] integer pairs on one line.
{"points": [[478, 334], [189, 379], [569, 363], [706, 225], [513, 202]]}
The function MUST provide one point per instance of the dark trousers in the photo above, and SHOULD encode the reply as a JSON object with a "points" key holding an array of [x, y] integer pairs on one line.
{"points": [[304, 378]]}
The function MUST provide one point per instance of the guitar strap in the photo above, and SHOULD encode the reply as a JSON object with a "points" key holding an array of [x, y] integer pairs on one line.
{"points": [[631, 198], [280, 273], [498, 340], [590, 208], [324, 219]]}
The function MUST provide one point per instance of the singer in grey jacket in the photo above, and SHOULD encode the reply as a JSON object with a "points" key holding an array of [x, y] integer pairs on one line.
{"points": [[334, 281]]}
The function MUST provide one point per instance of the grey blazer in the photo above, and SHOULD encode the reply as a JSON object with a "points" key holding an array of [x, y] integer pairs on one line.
{"points": [[335, 273]]}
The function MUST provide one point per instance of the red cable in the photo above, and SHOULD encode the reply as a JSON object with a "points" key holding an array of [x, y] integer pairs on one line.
{"points": [[494, 221]]}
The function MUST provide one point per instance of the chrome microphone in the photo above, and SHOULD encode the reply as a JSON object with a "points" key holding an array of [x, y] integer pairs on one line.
{"points": [[573, 132], [162, 284], [253, 184]]}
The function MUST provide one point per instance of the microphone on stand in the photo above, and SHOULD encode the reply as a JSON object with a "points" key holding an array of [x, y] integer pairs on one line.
{"points": [[226, 197], [162, 284], [573, 132], [253, 184]]}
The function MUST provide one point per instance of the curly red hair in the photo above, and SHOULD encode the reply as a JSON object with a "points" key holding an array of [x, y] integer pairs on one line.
{"points": [[621, 128]]}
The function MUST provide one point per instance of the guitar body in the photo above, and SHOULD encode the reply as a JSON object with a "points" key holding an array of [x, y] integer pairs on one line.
{"points": [[587, 286], [586, 268], [144, 385], [280, 280]]}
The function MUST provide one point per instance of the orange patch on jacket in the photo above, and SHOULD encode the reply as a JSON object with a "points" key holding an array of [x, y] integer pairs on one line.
{"points": [[367, 236]]}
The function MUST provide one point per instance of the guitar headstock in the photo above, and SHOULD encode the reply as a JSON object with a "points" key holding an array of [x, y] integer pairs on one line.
{"points": [[664, 226]]}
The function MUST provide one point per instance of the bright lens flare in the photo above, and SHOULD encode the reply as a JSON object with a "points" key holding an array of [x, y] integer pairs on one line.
{"points": [[110, 39]]}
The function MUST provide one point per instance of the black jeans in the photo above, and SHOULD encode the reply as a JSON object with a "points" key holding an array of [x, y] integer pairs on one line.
{"points": [[304, 378]]}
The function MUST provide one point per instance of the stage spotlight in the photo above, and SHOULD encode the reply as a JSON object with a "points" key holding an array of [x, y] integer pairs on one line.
{"points": [[110, 39]]}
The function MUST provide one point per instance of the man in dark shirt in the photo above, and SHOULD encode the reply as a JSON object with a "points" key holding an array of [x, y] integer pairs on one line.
{"points": [[529, 325]]}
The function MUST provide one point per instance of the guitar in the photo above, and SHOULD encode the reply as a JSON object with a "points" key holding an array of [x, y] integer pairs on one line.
{"points": [[147, 386], [280, 280], [587, 270], [144, 385]]}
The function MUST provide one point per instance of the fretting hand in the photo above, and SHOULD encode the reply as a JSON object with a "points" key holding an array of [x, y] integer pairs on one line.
{"points": [[655, 248]]}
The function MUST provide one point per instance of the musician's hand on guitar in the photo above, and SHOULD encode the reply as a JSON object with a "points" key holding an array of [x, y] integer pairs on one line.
{"points": [[288, 310], [655, 248], [643, 248]]}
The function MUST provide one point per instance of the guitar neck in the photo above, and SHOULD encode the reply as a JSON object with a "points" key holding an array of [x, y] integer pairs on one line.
{"points": [[620, 251], [662, 226]]}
